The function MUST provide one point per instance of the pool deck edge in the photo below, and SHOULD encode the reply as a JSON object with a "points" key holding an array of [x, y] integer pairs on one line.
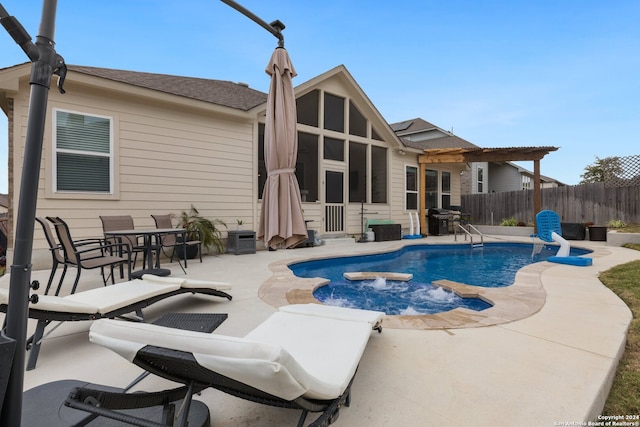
{"points": [[525, 297]]}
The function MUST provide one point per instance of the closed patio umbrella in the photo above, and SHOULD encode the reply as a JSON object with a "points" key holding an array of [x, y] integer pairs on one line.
{"points": [[281, 220]]}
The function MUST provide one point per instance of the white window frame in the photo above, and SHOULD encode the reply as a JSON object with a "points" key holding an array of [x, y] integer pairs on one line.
{"points": [[441, 183], [416, 191], [110, 155], [480, 182]]}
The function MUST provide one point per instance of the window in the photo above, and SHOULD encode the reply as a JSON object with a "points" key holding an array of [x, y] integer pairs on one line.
{"points": [[375, 135], [411, 188], [357, 122], [307, 108], [480, 180], [333, 149], [262, 167], [357, 172], [378, 174], [431, 188], [83, 153], [333, 112], [306, 165], [526, 182], [445, 186]]}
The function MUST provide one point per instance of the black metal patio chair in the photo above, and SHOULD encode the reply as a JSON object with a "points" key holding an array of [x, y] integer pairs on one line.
{"points": [[90, 257]]}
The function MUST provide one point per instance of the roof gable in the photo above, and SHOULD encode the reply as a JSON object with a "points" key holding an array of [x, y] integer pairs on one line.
{"points": [[355, 92]]}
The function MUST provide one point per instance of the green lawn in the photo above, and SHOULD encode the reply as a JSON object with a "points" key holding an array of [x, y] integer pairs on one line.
{"points": [[624, 398]]}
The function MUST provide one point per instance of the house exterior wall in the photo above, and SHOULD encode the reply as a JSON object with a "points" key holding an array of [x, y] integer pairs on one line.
{"points": [[504, 178], [167, 157], [473, 178], [171, 152]]}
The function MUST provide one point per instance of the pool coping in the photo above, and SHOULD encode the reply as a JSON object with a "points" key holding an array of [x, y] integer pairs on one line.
{"points": [[525, 297]]}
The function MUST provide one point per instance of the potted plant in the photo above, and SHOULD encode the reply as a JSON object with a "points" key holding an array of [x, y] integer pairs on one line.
{"points": [[239, 224], [200, 228]]}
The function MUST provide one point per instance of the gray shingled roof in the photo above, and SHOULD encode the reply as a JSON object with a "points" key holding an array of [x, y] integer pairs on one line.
{"points": [[219, 92], [444, 142], [418, 125], [411, 126]]}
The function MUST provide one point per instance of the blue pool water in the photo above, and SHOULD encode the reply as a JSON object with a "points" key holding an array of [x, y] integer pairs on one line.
{"points": [[495, 265]]}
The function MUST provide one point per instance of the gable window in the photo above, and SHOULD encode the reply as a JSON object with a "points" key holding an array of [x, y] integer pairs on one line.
{"points": [[357, 172], [374, 135], [83, 152], [333, 112], [378, 174], [411, 188], [357, 122], [333, 149], [307, 108], [306, 165]]}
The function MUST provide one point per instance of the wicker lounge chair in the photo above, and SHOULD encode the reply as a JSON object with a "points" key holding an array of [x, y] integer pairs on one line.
{"points": [[303, 359], [108, 302]]}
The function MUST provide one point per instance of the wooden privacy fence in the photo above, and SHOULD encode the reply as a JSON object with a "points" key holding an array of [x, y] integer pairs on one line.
{"points": [[581, 203]]}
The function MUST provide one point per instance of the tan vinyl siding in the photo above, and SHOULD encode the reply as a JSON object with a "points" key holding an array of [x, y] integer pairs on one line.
{"points": [[166, 158]]}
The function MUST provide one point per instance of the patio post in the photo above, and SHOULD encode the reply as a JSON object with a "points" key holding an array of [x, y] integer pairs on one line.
{"points": [[274, 28], [45, 63]]}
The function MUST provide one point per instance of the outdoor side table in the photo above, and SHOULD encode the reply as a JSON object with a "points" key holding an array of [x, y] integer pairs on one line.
{"points": [[198, 322], [241, 242]]}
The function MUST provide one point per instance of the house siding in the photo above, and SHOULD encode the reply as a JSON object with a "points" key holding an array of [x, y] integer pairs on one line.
{"points": [[504, 178], [166, 157]]}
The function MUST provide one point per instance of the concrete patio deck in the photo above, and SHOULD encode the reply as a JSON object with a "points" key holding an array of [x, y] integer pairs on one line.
{"points": [[554, 365]]}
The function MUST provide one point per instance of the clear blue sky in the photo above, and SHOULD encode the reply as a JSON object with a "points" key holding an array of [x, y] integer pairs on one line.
{"points": [[498, 73]]}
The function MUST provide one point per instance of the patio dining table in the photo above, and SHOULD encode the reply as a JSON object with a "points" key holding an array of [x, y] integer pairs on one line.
{"points": [[152, 238]]}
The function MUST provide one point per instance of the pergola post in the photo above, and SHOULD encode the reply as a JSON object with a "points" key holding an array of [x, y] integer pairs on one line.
{"points": [[422, 189], [537, 192]]}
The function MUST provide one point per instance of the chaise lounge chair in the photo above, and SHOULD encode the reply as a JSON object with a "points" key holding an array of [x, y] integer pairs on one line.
{"points": [[302, 358], [550, 230], [108, 302]]}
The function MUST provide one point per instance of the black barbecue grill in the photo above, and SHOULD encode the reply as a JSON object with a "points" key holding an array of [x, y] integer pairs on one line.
{"points": [[438, 221]]}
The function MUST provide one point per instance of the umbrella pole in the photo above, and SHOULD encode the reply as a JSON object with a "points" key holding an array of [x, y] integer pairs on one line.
{"points": [[274, 28], [45, 63]]}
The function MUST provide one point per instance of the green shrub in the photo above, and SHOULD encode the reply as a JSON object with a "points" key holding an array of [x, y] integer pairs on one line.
{"points": [[509, 222], [616, 223]]}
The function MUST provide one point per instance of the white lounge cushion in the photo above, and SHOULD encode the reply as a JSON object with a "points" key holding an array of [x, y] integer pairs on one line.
{"points": [[188, 283], [264, 366], [327, 349], [288, 355], [163, 280], [342, 313], [53, 303], [195, 284], [109, 298]]}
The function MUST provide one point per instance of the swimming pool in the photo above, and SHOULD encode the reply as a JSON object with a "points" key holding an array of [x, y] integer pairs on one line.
{"points": [[495, 265]]}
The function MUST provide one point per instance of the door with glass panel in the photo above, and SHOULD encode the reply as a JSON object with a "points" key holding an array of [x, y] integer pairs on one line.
{"points": [[334, 201]]}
